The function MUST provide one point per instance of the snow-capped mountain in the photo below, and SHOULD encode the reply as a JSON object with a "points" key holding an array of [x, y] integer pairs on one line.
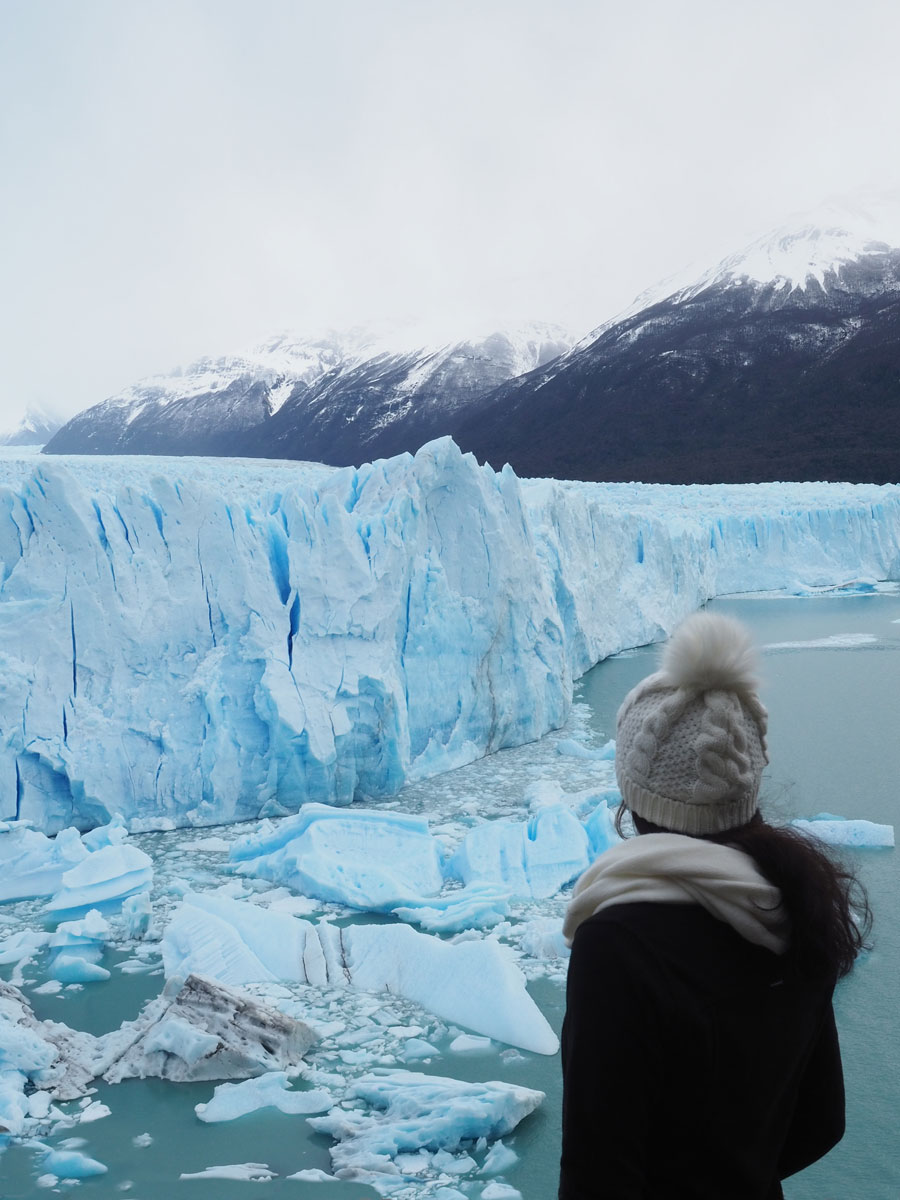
{"points": [[781, 362], [35, 428], [339, 398]]}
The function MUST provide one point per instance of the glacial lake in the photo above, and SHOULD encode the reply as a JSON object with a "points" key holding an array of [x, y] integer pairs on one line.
{"points": [[831, 668]]}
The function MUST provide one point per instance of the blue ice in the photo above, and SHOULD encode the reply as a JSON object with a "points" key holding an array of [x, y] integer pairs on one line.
{"points": [[414, 1112], [195, 653]]}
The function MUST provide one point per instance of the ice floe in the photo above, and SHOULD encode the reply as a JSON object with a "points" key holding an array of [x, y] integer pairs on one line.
{"points": [[103, 879], [369, 859], [200, 1029], [272, 1090], [532, 858], [474, 983], [410, 1112], [838, 831]]}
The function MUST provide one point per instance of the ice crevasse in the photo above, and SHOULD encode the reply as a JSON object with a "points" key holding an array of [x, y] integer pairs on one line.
{"points": [[191, 646]]}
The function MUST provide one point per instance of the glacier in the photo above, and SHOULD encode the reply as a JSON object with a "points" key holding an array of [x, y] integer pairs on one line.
{"points": [[193, 642]]}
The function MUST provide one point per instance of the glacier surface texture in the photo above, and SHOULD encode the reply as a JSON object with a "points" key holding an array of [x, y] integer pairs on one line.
{"points": [[191, 642]]}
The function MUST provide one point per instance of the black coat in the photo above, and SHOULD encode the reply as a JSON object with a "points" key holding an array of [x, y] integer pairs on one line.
{"points": [[694, 1068]]}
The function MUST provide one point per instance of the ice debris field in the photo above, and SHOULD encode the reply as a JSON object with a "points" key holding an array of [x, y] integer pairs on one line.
{"points": [[188, 645]]}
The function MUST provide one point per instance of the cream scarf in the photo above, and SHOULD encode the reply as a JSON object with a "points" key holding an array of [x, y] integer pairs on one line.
{"points": [[670, 868]]}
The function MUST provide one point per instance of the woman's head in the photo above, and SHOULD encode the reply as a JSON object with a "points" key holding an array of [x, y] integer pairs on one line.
{"points": [[690, 752], [691, 738]]}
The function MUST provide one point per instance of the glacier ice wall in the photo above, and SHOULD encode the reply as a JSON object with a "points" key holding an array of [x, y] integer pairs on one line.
{"points": [[198, 641]]}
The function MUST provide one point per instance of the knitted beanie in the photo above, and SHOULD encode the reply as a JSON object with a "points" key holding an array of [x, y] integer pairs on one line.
{"points": [[691, 739]]}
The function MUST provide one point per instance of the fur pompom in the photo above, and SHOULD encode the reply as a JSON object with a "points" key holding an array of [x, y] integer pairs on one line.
{"points": [[709, 651]]}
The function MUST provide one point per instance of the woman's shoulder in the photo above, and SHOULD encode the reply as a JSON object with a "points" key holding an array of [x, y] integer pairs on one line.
{"points": [[684, 939]]}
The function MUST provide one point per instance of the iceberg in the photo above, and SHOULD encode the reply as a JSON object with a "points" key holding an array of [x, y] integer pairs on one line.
{"points": [[472, 983], [199, 1029], [189, 653], [856, 834], [76, 949], [32, 864], [534, 858], [272, 1090], [369, 859], [72, 1164], [105, 878], [415, 1112], [477, 906], [245, 1172], [372, 859], [39, 1060], [138, 913]]}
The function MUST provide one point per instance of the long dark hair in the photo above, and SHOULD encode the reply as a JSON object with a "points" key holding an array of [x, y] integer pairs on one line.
{"points": [[829, 910]]}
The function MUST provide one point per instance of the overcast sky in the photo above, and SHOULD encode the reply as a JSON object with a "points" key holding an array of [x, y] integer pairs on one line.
{"points": [[181, 177]]}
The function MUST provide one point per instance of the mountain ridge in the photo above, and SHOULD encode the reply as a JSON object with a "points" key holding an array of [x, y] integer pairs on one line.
{"points": [[782, 361], [299, 397], [743, 375]]}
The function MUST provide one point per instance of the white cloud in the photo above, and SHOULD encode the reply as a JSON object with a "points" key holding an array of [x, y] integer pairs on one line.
{"points": [[185, 175]]}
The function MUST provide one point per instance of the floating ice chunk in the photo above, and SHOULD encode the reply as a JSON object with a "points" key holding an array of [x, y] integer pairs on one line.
{"points": [[543, 938], [138, 912], [93, 1110], [202, 1030], [836, 641], [142, 1140], [469, 1043], [72, 1164], [76, 948], [246, 1172], [105, 877], [237, 943], [48, 1054], [37, 1054], [476, 906], [51, 988], [533, 858], [232, 1100], [113, 834], [500, 1191], [32, 864], [573, 749], [856, 834], [74, 968], [498, 1159], [453, 1164], [476, 984], [417, 1048], [419, 1112], [211, 845], [314, 1175], [91, 930], [21, 947], [369, 859]]}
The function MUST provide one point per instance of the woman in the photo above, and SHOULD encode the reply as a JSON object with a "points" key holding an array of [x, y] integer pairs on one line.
{"points": [[699, 1050]]}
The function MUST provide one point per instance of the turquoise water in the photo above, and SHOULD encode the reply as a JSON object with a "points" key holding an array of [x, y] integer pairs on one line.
{"points": [[834, 746]]}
